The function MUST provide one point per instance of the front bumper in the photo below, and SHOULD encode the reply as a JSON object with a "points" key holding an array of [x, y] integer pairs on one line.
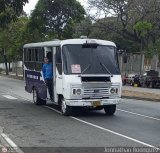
{"points": [[92, 102]]}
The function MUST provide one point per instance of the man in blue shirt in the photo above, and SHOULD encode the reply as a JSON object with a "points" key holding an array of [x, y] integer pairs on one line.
{"points": [[47, 71]]}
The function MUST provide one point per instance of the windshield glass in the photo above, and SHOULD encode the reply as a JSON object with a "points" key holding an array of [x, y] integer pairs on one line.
{"points": [[90, 60]]}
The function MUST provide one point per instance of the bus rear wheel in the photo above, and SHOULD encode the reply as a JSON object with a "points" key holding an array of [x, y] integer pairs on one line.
{"points": [[110, 109], [36, 99], [65, 110]]}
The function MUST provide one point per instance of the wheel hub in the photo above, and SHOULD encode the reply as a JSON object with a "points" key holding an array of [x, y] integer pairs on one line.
{"points": [[63, 106], [34, 96]]}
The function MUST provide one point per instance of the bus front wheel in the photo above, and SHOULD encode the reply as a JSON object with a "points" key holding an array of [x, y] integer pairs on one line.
{"points": [[110, 109], [65, 110], [36, 99]]}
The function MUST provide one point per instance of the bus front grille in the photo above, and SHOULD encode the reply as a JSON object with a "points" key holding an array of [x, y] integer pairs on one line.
{"points": [[96, 93]]}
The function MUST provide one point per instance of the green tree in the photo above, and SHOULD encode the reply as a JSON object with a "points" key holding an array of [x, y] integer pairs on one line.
{"points": [[11, 38], [143, 28], [10, 10], [55, 18], [100, 30], [136, 21], [83, 28]]}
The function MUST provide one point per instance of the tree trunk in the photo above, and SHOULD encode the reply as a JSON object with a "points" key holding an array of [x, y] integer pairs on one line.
{"points": [[16, 67], [9, 66], [5, 61]]}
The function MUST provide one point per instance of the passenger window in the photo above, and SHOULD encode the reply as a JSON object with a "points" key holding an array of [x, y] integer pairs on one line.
{"points": [[33, 58], [29, 55], [32, 54], [58, 60], [40, 54], [36, 54]]}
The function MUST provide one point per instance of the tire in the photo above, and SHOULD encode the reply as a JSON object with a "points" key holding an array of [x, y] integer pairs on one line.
{"points": [[65, 110], [110, 109], [36, 99], [124, 82]]}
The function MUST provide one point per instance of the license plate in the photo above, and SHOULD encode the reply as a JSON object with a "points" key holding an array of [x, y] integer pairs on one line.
{"points": [[96, 103]]}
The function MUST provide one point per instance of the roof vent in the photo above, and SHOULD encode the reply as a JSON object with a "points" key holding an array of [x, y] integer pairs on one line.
{"points": [[83, 37]]}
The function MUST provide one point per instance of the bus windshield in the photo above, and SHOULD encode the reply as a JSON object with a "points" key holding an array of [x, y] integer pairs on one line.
{"points": [[100, 59]]}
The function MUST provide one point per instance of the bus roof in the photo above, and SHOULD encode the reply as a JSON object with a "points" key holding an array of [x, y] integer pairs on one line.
{"points": [[69, 41], [83, 41], [43, 44]]}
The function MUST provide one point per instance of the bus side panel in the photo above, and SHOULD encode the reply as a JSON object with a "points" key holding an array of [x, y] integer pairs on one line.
{"points": [[33, 80]]}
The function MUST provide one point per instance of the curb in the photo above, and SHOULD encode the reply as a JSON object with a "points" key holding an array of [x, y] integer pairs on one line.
{"points": [[140, 98], [141, 95], [12, 76]]}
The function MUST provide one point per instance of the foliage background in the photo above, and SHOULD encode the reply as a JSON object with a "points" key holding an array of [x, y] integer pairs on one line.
{"points": [[133, 25]]}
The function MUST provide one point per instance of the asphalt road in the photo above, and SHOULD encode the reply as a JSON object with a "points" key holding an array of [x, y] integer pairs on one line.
{"points": [[135, 124]]}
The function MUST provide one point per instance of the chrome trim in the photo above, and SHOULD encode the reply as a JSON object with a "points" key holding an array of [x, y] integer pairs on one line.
{"points": [[90, 101]]}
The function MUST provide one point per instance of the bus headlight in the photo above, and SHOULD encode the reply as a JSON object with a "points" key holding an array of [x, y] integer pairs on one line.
{"points": [[114, 90], [76, 91]]}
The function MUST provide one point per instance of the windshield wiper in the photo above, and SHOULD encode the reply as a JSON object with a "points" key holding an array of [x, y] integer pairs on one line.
{"points": [[87, 67], [104, 66]]}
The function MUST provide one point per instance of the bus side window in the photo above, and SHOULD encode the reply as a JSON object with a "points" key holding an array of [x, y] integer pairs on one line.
{"points": [[29, 58], [36, 54], [29, 54], [26, 58], [58, 60], [39, 56], [32, 54], [32, 59]]}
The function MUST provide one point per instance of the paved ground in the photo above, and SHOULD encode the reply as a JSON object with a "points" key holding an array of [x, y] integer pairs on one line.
{"points": [[135, 124]]}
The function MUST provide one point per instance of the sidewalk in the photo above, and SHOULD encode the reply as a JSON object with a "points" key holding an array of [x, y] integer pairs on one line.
{"points": [[141, 93], [12, 75], [127, 91]]}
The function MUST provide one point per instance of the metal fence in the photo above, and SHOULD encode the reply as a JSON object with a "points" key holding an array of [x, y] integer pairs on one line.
{"points": [[138, 63]]}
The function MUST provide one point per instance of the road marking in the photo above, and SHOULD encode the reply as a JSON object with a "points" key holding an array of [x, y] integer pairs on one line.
{"points": [[53, 109], [11, 143], [9, 97], [107, 130], [115, 133], [110, 131], [139, 114]]}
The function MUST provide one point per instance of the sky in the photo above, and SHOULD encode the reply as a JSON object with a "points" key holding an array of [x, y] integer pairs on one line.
{"points": [[31, 5]]}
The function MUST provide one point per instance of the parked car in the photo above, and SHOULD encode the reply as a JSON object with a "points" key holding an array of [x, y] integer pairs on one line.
{"points": [[150, 79], [129, 79], [136, 82]]}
